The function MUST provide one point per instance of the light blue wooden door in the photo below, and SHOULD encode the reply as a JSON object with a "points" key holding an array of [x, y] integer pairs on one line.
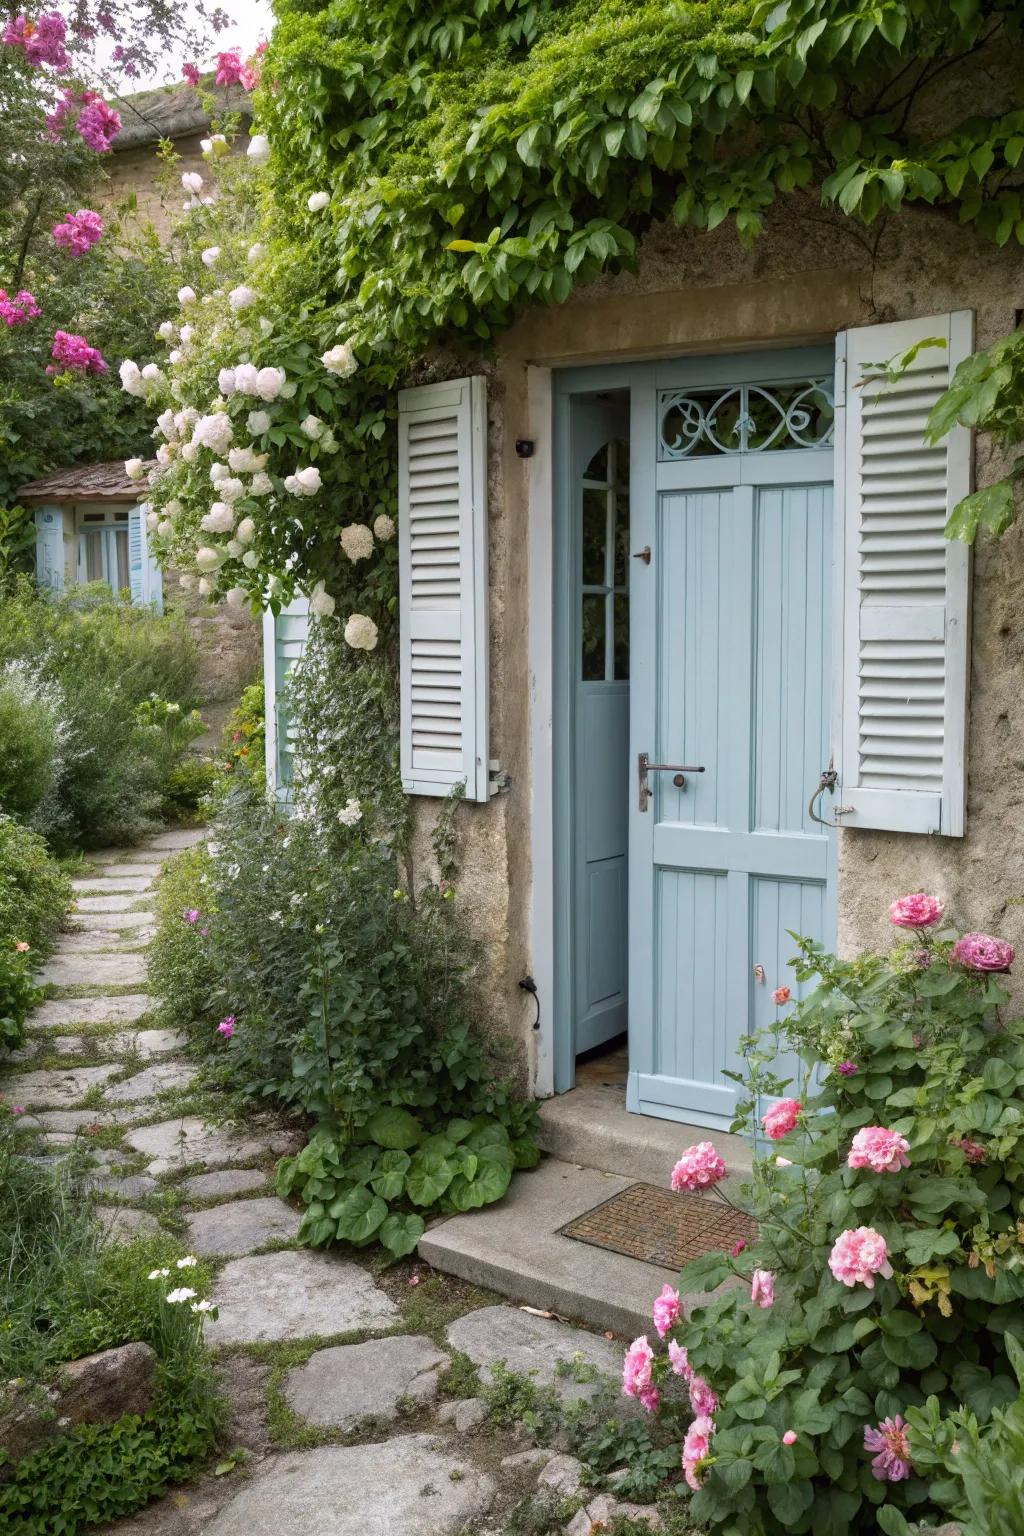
{"points": [[731, 671], [600, 775]]}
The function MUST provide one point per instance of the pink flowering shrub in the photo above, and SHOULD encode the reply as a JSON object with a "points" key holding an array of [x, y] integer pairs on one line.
{"points": [[42, 39], [78, 232], [19, 309], [888, 1268], [73, 354]]}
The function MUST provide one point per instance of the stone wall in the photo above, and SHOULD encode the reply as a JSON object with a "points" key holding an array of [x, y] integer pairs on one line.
{"points": [[811, 275]]}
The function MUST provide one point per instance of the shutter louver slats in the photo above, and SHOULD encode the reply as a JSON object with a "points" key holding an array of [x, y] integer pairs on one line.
{"points": [[903, 671], [442, 530], [284, 642]]}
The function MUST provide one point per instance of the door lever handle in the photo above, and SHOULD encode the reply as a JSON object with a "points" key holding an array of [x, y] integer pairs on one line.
{"points": [[678, 770]]}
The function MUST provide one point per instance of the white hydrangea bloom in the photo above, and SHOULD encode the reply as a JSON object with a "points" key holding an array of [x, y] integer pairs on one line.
{"points": [[262, 485], [165, 424], [175, 356], [242, 297], [226, 381], [190, 452], [321, 602], [192, 182], [131, 378], [340, 360], [384, 527], [133, 469], [269, 383], [312, 427], [218, 472], [316, 202], [259, 149], [186, 295], [173, 507], [256, 253], [357, 541], [352, 812], [246, 376], [258, 422], [246, 531], [165, 528], [246, 461], [250, 559], [165, 453], [219, 519], [152, 519], [167, 329], [187, 331], [207, 559], [361, 632], [213, 432], [211, 256], [230, 488], [236, 549], [235, 597]]}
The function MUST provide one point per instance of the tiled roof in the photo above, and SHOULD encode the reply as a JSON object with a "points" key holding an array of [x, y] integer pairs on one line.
{"points": [[86, 482], [171, 112]]}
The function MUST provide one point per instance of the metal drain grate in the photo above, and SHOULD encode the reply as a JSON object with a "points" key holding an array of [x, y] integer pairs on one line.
{"points": [[661, 1227]]}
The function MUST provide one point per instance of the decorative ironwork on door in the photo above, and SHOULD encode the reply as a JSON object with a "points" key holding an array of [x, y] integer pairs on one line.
{"points": [[745, 418]]}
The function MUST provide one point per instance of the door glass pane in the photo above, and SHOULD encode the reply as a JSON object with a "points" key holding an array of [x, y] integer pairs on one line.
{"points": [[621, 637], [597, 469], [621, 571], [122, 572], [595, 530], [93, 541], [593, 626]]}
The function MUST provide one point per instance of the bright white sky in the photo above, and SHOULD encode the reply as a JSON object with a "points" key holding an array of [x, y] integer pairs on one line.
{"points": [[251, 21]]}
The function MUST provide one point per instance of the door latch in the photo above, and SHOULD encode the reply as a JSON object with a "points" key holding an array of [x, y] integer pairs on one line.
{"points": [[828, 781], [645, 766]]}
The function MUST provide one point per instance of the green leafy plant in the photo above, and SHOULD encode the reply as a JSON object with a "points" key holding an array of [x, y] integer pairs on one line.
{"points": [[884, 1288], [243, 745]]}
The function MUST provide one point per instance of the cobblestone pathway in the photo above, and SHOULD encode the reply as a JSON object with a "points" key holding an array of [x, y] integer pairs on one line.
{"points": [[353, 1394]]}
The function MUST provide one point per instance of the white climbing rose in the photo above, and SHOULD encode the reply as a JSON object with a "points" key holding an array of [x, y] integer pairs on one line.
{"points": [[321, 602], [357, 541], [352, 812], [361, 632], [258, 422], [133, 469], [340, 360], [316, 202]]}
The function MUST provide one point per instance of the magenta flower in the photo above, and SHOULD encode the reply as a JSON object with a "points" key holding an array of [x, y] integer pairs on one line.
{"points": [[696, 1448], [916, 911], [982, 952], [73, 354], [738, 1247], [192, 915], [226, 1027], [892, 1463], [789, 1438], [702, 1399], [667, 1310], [781, 1118], [637, 1379], [78, 232], [20, 309], [98, 124], [858, 1255], [762, 1288], [679, 1360], [42, 39], [846, 1068], [17, 1109], [190, 73], [229, 67], [699, 1168], [881, 1150], [781, 995]]}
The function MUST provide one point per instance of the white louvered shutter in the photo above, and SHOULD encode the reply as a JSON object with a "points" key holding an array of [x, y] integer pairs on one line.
{"points": [[904, 610], [152, 576], [442, 532], [137, 554], [284, 640]]}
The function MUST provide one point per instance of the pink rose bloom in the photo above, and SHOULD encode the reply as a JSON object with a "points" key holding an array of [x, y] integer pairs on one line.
{"points": [[789, 1438], [696, 1446], [679, 1360], [762, 1288], [738, 1247], [972, 1150], [781, 995], [229, 67], [226, 1027], [78, 232], [892, 1463], [636, 1368], [981, 952], [880, 1150], [698, 1168], [858, 1255], [916, 911], [702, 1399], [667, 1310], [781, 1118]]}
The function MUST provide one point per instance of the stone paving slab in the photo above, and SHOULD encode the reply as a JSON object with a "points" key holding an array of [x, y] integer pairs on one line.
{"points": [[59, 1012], [342, 1386], [112, 922], [153, 1080], [177, 1143], [131, 1186], [144, 1042], [403, 1487], [94, 971], [296, 1295], [92, 941], [122, 1223], [222, 1182], [173, 842], [108, 868], [100, 885], [82, 1119], [48, 1045], [55, 1089], [106, 903], [243, 1226], [534, 1346]]}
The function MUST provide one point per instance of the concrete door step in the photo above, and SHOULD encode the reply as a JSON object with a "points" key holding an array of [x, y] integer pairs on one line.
{"points": [[591, 1126], [516, 1249]]}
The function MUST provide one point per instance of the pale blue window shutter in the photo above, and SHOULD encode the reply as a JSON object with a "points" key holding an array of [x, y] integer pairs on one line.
{"points": [[152, 576], [442, 561], [137, 553], [904, 589], [284, 640], [50, 548]]}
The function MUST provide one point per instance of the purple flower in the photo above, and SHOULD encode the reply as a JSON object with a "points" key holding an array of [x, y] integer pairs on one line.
{"points": [[226, 1027], [846, 1068], [192, 915]]}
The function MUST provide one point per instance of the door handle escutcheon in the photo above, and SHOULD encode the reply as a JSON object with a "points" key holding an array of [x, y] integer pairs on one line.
{"points": [[645, 766]]}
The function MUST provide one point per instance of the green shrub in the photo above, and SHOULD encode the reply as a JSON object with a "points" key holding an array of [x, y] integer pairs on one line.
{"points": [[187, 789], [104, 667], [179, 961], [32, 736], [34, 892], [898, 1275], [243, 746]]}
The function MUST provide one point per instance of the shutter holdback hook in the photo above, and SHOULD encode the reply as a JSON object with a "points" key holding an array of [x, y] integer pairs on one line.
{"points": [[828, 781]]}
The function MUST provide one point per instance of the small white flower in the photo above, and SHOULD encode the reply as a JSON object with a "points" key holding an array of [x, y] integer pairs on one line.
{"points": [[361, 632], [352, 813], [246, 461], [226, 381], [259, 149], [204, 587], [190, 452], [242, 297], [187, 331], [211, 255], [246, 377], [312, 427], [186, 295], [167, 329], [175, 356], [159, 1274], [255, 253], [234, 870], [219, 519], [217, 144], [188, 1262], [297, 899], [152, 374], [230, 488], [192, 182], [235, 549], [258, 422], [275, 917], [131, 377], [182, 1294], [165, 424], [308, 480], [133, 469], [164, 528], [316, 202], [152, 520], [202, 1306], [321, 602], [357, 541], [218, 472], [384, 527], [340, 360]]}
